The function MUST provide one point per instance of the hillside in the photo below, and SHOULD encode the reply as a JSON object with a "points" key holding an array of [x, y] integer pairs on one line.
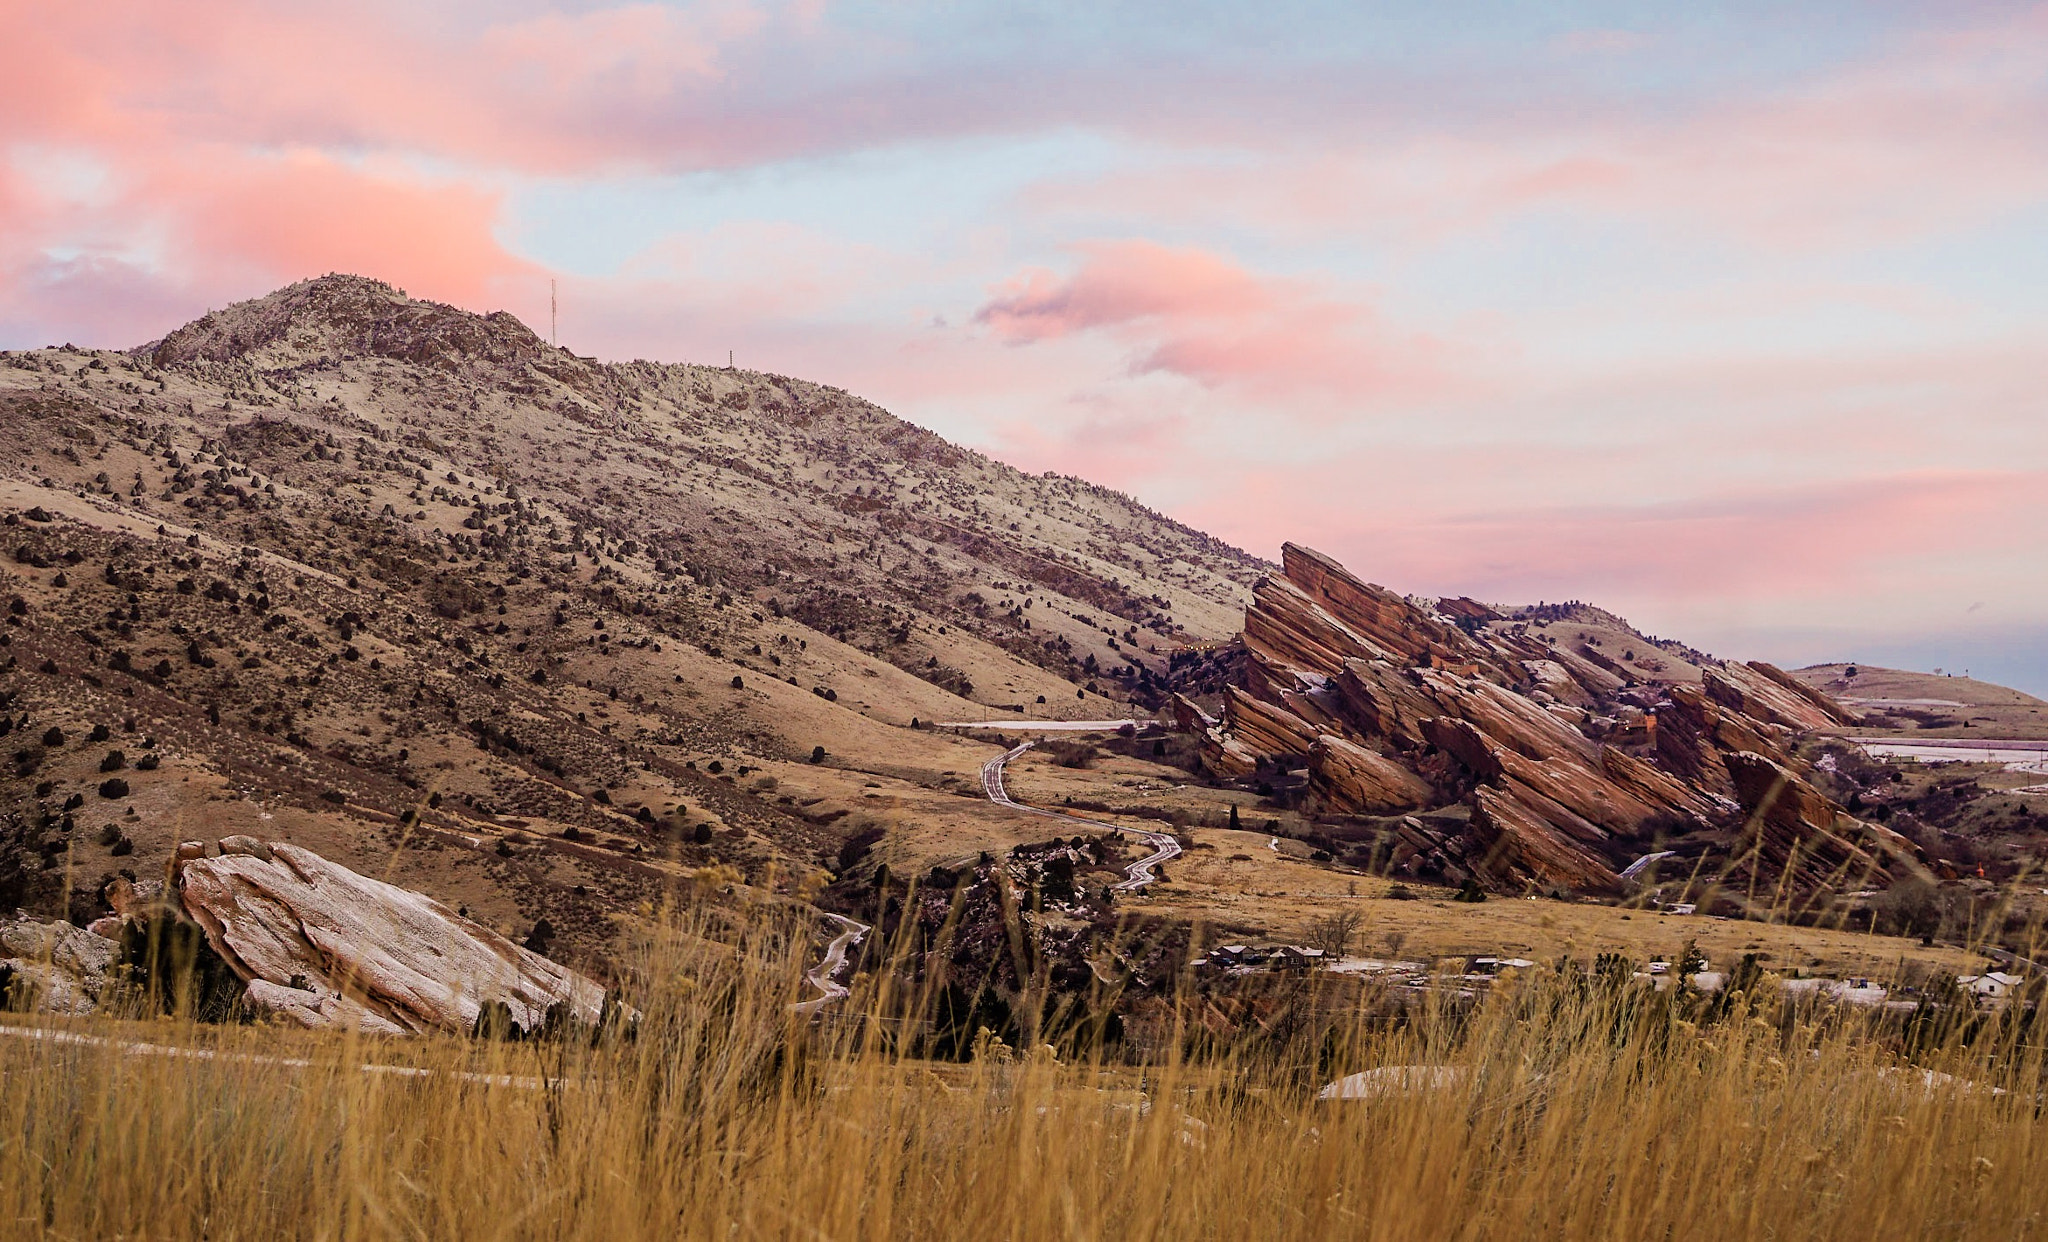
{"points": [[362, 571], [1930, 704]]}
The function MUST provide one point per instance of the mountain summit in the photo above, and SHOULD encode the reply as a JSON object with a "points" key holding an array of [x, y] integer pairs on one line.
{"points": [[340, 318]]}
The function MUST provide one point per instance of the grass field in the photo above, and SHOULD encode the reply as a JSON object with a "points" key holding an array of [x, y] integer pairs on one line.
{"points": [[1561, 1107]]}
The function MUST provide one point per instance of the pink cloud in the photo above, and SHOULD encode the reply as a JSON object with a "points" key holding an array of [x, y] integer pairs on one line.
{"points": [[1193, 314], [304, 213], [1121, 283], [1814, 541]]}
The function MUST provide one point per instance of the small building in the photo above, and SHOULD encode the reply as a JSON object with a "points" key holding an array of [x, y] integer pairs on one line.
{"points": [[1994, 985]]}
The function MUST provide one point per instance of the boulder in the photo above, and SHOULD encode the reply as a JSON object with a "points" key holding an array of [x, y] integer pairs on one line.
{"points": [[337, 948]]}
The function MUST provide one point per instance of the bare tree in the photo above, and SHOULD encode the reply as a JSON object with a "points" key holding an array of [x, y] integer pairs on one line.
{"points": [[1333, 934]]}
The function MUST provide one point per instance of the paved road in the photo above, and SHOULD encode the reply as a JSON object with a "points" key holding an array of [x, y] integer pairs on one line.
{"points": [[1635, 868], [1140, 872], [2018, 755], [1044, 726], [820, 976]]}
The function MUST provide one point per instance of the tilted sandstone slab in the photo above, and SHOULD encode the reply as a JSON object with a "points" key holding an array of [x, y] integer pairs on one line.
{"points": [[1791, 826], [1753, 692], [1348, 778], [380, 955], [1266, 728], [1836, 711], [1568, 759], [1383, 702], [1658, 787], [1287, 627], [1386, 619], [1513, 843], [1511, 720]]}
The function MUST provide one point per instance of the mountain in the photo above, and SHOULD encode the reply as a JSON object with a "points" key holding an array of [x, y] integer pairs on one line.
{"points": [[537, 634]]}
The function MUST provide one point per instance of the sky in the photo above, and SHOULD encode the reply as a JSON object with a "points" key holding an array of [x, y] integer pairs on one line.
{"points": [[1731, 318]]}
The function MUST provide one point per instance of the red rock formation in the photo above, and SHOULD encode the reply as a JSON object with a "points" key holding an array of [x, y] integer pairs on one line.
{"points": [[1752, 690], [1348, 778], [1829, 707], [1382, 617], [1514, 844], [1394, 705], [1791, 826]]}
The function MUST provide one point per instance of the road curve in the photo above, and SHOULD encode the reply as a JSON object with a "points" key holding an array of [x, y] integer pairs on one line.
{"points": [[1163, 844], [820, 976]]}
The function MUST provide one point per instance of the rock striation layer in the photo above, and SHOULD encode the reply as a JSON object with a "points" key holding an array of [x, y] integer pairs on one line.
{"points": [[1568, 767]]}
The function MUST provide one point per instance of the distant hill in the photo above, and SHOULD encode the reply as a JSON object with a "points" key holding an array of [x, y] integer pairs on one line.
{"points": [[1931, 704]]}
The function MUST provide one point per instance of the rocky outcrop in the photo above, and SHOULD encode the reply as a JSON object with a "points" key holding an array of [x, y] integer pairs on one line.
{"points": [[320, 945], [1347, 778], [1765, 693], [1515, 844], [1569, 767], [53, 967], [1385, 619], [1791, 827]]}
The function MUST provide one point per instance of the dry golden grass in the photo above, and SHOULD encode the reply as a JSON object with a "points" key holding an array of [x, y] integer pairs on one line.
{"points": [[1569, 1109]]}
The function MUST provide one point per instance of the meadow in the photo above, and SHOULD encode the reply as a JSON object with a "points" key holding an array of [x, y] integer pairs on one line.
{"points": [[1569, 1103]]}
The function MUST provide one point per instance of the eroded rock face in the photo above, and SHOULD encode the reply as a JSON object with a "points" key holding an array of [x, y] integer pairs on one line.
{"points": [[1791, 825], [1570, 769], [323, 946], [1352, 778], [1763, 692], [54, 967]]}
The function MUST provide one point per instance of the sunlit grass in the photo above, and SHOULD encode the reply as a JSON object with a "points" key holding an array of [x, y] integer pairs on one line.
{"points": [[1569, 1108]]}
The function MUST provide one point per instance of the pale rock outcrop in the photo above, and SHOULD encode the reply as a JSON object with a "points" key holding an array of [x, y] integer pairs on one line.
{"points": [[62, 968], [331, 947]]}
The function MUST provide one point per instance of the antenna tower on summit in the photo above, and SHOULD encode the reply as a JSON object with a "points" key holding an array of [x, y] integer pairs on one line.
{"points": [[551, 314]]}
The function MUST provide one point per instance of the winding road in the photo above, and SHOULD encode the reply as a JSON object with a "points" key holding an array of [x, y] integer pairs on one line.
{"points": [[1140, 872], [820, 976]]}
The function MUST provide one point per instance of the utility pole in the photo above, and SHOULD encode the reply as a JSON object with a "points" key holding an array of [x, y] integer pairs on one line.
{"points": [[552, 338]]}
